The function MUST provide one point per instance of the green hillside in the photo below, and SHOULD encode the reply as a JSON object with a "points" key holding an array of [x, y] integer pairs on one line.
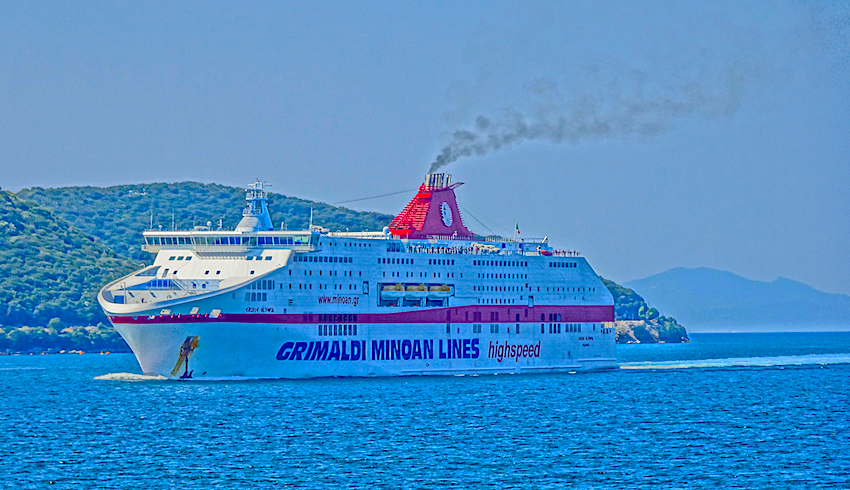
{"points": [[117, 215], [49, 269]]}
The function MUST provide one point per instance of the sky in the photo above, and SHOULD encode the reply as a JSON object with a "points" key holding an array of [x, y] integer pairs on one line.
{"points": [[646, 135]]}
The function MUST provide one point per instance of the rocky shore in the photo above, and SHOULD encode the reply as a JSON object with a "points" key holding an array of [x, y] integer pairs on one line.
{"points": [[661, 330]]}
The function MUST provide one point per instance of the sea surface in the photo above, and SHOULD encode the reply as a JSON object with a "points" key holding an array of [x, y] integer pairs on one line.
{"points": [[726, 411]]}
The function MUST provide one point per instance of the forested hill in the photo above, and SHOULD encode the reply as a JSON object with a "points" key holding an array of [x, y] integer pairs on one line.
{"points": [[644, 323], [117, 215], [49, 269]]}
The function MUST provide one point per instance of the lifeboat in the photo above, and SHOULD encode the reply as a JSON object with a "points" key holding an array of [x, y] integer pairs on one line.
{"points": [[416, 292], [545, 253], [439, 292], [392, 291]]}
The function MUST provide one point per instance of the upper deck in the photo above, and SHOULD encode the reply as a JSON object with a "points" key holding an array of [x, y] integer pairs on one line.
{"points": [[229, 241], [430, 223]]}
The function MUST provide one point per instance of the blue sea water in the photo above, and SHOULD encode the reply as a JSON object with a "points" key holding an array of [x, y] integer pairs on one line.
{"points": [[726, 411]]}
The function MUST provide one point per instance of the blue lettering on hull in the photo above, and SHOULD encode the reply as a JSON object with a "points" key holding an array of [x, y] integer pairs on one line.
{"points": [[337, 350], [382, 350]]}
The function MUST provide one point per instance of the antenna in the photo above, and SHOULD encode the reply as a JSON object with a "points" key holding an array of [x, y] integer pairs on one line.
{"points": [[311, 218]]}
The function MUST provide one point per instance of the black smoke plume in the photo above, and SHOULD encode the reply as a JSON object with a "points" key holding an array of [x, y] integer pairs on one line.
{"points": [[589, 117]]}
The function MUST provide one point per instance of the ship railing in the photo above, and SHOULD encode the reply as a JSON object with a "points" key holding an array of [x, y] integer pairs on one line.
{"points": [[513, 240], [195, 286], [554, 253], [371, 235], [472, 250]]}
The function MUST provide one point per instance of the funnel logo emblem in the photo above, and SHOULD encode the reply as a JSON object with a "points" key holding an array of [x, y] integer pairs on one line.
{"points": [[446, 211]]}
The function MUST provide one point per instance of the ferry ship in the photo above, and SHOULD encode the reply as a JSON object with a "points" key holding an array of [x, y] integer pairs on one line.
{"points": [[421, 297]]}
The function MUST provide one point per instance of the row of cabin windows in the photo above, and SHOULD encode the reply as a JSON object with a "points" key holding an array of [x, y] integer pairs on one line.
{"points": [[336, 286], [395, 261], [562, 264], [347, 244], [556, 328], [503, 276], [323, 286], [494, 316], [337, 317], [262, 284], [494, 328], [421, 274], [180, 257], [337, 330], [441, 262], [496, 301], [332, 273], [313, 258], [574, 290], [256, 296], [250, 257], [496, 288], [501, 263], [333, 243]]}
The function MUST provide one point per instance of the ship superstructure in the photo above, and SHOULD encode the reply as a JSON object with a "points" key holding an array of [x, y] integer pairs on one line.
{"points": [[421, 297]]}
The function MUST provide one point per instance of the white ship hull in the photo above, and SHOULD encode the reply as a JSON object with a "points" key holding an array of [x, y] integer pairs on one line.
{"points": [[258, 350]]}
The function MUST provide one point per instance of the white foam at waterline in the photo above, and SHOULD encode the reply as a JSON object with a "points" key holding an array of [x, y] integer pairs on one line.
{"points": [[129, 377], [742, 362]]}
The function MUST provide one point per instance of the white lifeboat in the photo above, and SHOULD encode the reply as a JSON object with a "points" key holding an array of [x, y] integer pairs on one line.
{"points": [[439, 292], [416, 292], [392, 291]]}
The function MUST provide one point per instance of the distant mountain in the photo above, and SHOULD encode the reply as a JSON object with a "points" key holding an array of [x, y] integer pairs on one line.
{"points": [[709, 299]]}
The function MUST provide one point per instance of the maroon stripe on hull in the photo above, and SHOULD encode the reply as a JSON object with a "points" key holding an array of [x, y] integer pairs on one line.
{"points": [[459, 314]]}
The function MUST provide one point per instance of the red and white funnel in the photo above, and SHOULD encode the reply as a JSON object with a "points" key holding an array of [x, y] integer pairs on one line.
{"points": [[432, 213]]}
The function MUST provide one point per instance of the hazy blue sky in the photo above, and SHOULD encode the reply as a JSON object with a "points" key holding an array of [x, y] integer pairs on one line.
{"points": [[647, 135]]}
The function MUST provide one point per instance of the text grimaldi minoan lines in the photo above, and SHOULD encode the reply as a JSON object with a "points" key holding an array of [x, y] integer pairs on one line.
{"points": [[405, 349]]}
